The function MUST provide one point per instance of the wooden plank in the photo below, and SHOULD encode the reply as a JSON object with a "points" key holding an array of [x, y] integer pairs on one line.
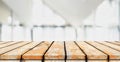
{"points": [[56, 51], [91, 51], [69, 61], [54, 61], [75, 60], [114, 61], [85, 61], [12, 47], [116, 43], [8, 44], [113, 54], [97, 61], [73, 51], [31, 61], [111, 45], [9, 60], [45, 61], [37, 52], [16, 54], [60, 61], [3, 42]]}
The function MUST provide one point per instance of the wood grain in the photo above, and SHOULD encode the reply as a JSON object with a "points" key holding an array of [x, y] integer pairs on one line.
{"points": [[7, 49], [56, 51], [75, 60], [91, 51], [73, 51], [114, 60], [31, 61], [113, 54], [68, 51], [111, 45], [3, 42], [9, 60], [116, 43], [16, 54], [54, 60], [8, 44], [37, 52]]}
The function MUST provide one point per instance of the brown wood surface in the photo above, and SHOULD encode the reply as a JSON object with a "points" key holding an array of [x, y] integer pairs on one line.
{"points": [[116, 43], [111, 45], [32, 61], [16, 54], [91, 51], [3, 42], [113, 54], [68, 51], [114, 61], [75, 60], [37, 52], [59, 61], [9, 60], [7, 49], [56, 51], [73, 51], [8, 44], [54, 60]]}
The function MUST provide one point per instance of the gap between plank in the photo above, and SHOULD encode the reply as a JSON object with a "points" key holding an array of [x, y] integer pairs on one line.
{"points": [[108, 57], [65, 51], [86, 59], [4, 42], [15, 48], [10, 45], [108, 46], [21, 59], [43, 59], [112, 43]]}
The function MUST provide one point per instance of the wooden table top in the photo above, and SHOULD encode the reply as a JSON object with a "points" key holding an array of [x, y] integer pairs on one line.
{"points": [[61, 50]]}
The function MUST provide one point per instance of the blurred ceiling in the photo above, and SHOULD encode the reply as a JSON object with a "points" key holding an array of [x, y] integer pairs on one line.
{"points": [[22, 8], [73, 11], [4, 12]]}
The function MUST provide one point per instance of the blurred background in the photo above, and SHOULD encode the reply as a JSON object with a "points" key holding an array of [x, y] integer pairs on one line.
{"points": [[59, 20]]}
